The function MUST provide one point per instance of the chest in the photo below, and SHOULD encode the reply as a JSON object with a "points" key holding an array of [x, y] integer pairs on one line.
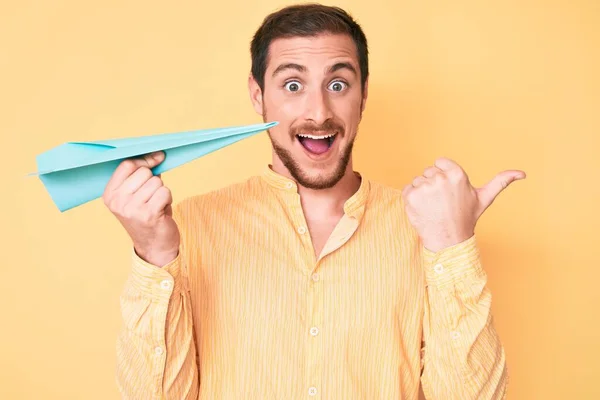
{"points": [[320, 231], [275, 275]]}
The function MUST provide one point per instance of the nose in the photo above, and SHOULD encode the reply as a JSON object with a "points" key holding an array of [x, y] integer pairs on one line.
{"points": [[318, 107]]}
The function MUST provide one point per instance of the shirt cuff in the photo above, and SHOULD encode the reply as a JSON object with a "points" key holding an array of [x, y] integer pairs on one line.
{"points": [[153, 281], [453, 264]]}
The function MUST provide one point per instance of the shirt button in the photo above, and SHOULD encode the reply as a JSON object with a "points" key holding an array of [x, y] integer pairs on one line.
{"points": [[158, 351], [289, 185], [315, 277], [314, 331], [439, 268], [312, 391], [455, 335], [166, 284], [302, 230]]}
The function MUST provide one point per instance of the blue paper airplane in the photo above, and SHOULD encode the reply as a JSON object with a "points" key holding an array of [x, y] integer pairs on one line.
{"points": [[77, 172]]}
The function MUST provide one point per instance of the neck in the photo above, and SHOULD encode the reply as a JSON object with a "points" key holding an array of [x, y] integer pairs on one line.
{"points": [[325, 203]]}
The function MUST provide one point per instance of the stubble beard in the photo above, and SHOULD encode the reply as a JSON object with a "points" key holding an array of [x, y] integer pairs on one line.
{"points": [[317, 183]]}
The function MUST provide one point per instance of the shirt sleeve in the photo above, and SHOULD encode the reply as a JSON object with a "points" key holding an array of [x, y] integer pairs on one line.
{"points": [[156, 353], [463, 357]]}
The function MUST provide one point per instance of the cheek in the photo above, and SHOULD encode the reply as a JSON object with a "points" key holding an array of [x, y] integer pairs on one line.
{"points": [[347, 113], [347, 108], [283, 110]]}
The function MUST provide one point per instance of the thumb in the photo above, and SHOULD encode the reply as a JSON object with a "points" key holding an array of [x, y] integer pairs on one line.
{"points": [[488, 193], [151, 160]]}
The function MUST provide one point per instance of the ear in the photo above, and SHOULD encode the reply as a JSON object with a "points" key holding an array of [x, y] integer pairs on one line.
{"points": [[365, 95], [255, 95]]}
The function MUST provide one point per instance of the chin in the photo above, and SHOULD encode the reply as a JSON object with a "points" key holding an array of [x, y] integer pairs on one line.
{"points": [[321, 182], [315, 162], [318, 174]]}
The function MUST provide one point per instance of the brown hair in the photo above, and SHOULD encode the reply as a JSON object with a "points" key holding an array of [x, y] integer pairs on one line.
{"points": [[305, 20]]}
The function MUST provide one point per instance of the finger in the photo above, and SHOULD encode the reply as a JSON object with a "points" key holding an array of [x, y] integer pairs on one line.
{"points": [[147, 190], [136, 180], [418, 181], [431, 171], [488, 193], [445, 164], [160, 199], [129, 166]]}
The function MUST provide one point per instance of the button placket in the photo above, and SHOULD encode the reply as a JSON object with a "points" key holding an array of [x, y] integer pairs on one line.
{"points": [[313, 333]]}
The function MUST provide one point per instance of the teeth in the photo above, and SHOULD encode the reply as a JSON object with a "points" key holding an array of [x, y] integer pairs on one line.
{"points": [[317, 137]]}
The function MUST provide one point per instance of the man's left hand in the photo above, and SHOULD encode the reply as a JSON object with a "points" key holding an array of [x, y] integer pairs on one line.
{"points": [[444, 207]]}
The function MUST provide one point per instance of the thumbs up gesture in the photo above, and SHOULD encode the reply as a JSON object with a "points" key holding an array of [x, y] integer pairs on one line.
{"points": [[444, 207]]}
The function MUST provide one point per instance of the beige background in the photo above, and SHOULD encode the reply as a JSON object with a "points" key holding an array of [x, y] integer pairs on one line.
{"points": [[494, 85]]}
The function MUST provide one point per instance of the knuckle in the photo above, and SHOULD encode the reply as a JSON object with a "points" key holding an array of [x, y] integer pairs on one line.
{"points": [[165, 193], [116, 203], [127, 212], [145, 172], [155, 180], [456, 174], [440, 177], [106, 198], [128, 164], [164, 190]]}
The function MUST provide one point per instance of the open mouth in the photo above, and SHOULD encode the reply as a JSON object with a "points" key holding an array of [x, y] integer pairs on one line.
{"points": [[317, 144]]}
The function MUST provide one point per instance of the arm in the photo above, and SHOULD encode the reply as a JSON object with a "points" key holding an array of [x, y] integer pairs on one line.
{"points": [[463, 357], [156, 353]]}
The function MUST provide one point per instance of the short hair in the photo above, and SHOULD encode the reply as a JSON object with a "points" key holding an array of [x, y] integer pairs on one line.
{"points": [[305, 20]]}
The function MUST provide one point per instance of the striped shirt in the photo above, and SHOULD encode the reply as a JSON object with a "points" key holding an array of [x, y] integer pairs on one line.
{"points": [[247, 311]]}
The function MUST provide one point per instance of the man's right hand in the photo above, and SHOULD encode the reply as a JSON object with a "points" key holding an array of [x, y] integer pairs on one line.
{"points": [[142, 204]]}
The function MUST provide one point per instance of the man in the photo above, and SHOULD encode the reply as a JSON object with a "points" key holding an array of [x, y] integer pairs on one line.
{"points": [[309, 281]]}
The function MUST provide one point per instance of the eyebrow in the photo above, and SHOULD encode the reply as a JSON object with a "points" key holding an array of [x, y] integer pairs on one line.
{"points": [[342, 65], [283, 67], [301, 68]]}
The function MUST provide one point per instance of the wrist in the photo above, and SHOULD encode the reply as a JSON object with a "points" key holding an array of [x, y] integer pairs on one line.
{"points": [[444, 241], [159, 259]]}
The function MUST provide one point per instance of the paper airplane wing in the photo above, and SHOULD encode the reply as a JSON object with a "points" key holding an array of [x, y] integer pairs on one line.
{"points": [[77, 172]]}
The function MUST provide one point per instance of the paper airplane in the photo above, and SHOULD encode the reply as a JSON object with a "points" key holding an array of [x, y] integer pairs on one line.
{"points": [[75, 173]]}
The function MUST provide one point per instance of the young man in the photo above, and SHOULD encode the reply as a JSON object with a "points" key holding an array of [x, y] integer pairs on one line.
{"points": [[309, 281]]}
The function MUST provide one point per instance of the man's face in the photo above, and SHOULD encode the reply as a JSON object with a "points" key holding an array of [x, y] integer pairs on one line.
{"points": [[312, 87]]}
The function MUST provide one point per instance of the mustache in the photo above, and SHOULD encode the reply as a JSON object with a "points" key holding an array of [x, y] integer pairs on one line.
{"points": [[328, 126]]}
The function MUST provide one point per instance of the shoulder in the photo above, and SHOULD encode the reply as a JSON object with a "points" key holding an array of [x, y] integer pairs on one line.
{"points": [[381, 194], [386, 205]]}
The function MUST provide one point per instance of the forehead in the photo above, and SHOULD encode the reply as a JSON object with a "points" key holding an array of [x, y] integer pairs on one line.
{"points": [[313, 52]]}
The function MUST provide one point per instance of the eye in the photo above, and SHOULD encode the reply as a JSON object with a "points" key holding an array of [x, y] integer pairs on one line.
{"points": [[338, 86], [293, 86]]}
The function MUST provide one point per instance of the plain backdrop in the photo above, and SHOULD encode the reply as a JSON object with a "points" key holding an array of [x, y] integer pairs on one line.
{"points": [[493, 85]]}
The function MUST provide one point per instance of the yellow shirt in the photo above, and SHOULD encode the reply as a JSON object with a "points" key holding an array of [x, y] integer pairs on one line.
{"points": [[247, 311]]}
